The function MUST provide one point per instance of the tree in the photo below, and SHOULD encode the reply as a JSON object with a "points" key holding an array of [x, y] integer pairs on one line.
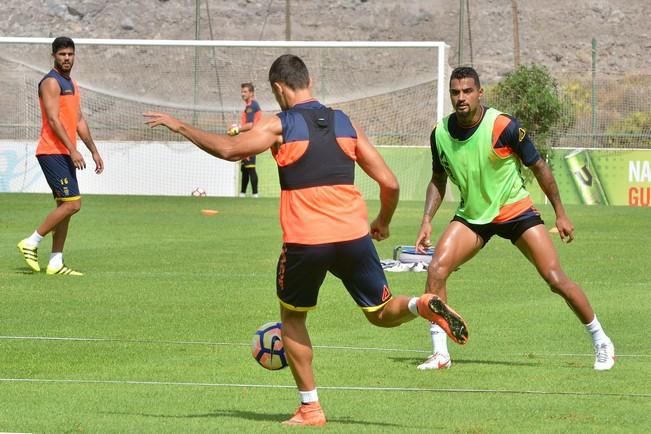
{"points": [[530, 94]]}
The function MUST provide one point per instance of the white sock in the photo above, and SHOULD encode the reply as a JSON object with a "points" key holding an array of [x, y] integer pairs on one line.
{"points": [[34, 239], [309, 396], [597, 332], [56, 260], [412, 305], [439, 340]]}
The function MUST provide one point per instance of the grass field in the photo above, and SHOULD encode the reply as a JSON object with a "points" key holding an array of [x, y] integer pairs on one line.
{"points": [[155, 338]]}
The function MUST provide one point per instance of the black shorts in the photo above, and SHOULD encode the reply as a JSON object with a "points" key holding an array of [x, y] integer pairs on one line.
{"points": [[248, 163], [510, 229], [302, 269], [61, 176]]}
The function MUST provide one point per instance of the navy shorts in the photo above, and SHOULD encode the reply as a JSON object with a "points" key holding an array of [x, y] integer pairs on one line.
{"points": [[248, 163], [510, 229], [302, 269], [61, 175]]}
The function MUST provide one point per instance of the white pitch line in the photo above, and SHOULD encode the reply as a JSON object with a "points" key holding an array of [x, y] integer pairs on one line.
{"points": [[327, 347], [345, 388], [206, 343]]}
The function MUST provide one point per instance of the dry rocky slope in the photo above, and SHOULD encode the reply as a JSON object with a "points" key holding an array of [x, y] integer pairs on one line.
{"points": [[554, 33]]}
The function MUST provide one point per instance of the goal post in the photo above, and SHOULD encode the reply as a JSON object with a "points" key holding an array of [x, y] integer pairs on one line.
{"points": [[396, 91]]}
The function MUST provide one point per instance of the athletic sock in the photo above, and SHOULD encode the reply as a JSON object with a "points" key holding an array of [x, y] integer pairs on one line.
{"points": [[34, 239], [597, 332], [308, 396], [439, 340], [413, 308], [56, 260]]}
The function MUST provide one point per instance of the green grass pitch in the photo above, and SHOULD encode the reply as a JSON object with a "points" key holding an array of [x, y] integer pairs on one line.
{"points": [[155, 337]]}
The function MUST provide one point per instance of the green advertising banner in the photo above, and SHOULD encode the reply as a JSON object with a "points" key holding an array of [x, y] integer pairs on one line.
{"points": [[603, 177]]}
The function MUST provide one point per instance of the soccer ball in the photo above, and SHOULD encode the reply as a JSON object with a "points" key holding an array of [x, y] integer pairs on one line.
{"points": [[267, 346], [198, 192]]}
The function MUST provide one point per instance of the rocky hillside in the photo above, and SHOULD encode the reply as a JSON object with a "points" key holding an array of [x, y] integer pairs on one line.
{"points": [[555, 33]]}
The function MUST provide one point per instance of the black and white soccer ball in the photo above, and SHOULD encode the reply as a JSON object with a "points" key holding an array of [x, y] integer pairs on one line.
{"points": [[198, 192]]}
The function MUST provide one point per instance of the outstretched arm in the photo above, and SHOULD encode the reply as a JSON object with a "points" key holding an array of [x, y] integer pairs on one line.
{"points": [[261, 137], [547, 183], [372, 163]]}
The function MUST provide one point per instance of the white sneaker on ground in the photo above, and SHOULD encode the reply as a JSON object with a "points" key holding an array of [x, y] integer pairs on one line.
{"points": [[604, 356], [436, 361], [242, 194], [256, 195]]}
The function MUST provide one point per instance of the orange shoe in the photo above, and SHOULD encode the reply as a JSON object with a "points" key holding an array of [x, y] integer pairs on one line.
{"points": [[307, 415], [432, 308]]}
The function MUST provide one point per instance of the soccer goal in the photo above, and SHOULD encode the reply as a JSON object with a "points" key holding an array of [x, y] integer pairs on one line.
{"points": [[395, 90]]}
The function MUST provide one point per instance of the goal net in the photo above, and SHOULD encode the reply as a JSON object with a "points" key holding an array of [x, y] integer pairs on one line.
{"points": [[394, 91]]}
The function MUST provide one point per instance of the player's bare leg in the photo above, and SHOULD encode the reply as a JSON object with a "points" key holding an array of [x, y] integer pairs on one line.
{"points": [[298, 349], [56, 220], [60, 217], [537, 246], [392, 314], [60, 234], [457, 245], [63, 211]]}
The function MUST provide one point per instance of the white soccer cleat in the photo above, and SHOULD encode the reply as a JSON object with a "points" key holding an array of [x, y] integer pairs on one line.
{"points": [[604, 356], [436, 361]]}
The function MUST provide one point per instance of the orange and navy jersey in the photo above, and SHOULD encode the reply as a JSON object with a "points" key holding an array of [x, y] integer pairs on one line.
{"points": [[251, 113], [69, 107], [319, 202]]}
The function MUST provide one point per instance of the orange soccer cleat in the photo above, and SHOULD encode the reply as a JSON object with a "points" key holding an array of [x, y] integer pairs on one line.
{"points": [[432, 308], [307, 415]]}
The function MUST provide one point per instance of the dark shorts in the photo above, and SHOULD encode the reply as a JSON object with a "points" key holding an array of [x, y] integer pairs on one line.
{"points": [[248, 163], [510, 229], [302, 269], [61, 175]]}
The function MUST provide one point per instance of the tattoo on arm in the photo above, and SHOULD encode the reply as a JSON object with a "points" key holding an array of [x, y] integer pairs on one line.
{"points": [[547, 183], [435, 193]]}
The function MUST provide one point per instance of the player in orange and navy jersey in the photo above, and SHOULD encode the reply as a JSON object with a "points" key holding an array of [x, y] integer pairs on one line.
{"points": [[58, 156], [250, 116], [481, 151], [323, 217]]}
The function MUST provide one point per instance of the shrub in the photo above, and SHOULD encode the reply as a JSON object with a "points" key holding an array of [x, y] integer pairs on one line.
{"points": [[531, 95], [631, 132]]}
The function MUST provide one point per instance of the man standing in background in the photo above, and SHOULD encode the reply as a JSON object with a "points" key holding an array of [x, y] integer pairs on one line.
{"points": [[250, 116], [58, 156]]}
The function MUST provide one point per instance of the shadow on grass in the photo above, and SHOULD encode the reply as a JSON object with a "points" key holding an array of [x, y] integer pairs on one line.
{"points": [[455, 361], [259, 417], [25, 270]]}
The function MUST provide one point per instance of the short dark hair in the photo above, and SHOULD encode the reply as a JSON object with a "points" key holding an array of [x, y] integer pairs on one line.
{"points": [[290, 70], [62, 42], [248, 86], [465, 72]]}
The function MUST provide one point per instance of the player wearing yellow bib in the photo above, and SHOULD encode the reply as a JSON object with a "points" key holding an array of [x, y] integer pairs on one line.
{"points": [[481, 151]]}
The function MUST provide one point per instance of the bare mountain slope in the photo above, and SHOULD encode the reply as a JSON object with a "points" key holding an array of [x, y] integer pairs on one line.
{"points": [[554, 33]]}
